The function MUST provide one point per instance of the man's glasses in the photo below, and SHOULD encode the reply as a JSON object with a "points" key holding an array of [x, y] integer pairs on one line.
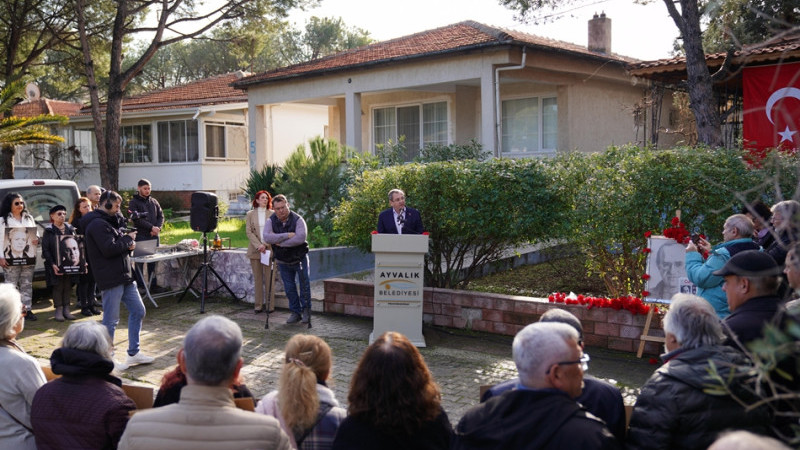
{"points": [[19, 203], [583, 361]]}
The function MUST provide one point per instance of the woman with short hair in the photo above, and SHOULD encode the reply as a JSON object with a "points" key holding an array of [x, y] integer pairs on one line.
{"points": [[394, 403], [86, 407], [303, 404], [21, 375]]}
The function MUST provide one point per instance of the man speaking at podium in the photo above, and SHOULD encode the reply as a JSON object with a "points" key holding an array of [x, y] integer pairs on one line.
{"points": [[399, 219]]}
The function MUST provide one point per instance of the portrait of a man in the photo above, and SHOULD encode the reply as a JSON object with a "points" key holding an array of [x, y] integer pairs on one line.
{"points": [[666, 265], [71, 254], [19, 249]]}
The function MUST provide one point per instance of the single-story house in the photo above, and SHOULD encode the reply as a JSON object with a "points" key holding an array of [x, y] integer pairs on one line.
{"points": [[189, 138], [515, 93]]}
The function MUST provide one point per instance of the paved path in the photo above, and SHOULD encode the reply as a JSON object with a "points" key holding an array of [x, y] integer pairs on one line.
{"points": [[460, 361]]}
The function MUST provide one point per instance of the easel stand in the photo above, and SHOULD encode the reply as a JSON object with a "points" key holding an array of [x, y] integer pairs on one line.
{"points": [[204, 269], [645, 337]]}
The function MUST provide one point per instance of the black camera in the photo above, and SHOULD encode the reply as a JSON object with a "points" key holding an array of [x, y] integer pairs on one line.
{"points": [[136, 215]]}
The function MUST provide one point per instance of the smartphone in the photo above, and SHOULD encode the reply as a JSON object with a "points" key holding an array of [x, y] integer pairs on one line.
{"points": [[695, 238]]}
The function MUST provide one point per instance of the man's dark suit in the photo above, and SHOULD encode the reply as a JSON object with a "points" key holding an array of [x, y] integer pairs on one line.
{"points": [[412, 224]]}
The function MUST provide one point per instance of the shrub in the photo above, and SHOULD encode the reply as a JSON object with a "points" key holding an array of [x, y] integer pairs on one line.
{"points": [[314, 181], [264, 179], [619, 194], [473, 210], [452, 152]]}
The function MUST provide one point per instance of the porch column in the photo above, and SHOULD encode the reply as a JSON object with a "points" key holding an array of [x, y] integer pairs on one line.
{"points": [[488, 129], [257, 129], [352, 119]]}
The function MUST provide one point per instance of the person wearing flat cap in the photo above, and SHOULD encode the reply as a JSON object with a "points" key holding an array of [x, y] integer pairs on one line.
{"points": [[751, 285]]}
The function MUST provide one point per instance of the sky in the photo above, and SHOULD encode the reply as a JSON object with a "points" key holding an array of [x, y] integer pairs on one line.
{"points": [[641, 31]]}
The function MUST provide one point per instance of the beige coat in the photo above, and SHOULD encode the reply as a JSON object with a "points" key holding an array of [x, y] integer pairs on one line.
{"points": [[205, 418], [254, 232]]}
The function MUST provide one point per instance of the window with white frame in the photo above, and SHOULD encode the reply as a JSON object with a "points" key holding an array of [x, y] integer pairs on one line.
{"points": [[136, 145], [178, 141], [530, 126], [84, 140], [420, 125], [226, 140]]}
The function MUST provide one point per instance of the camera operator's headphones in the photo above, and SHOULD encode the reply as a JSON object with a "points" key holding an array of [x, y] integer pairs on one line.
{"points": [[108, 198]]}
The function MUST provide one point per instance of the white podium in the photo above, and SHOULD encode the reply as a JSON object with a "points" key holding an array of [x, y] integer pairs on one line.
{"points": [[399, 276]]}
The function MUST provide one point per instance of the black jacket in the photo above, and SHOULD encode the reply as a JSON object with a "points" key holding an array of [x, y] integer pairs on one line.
{"points": [[747, 322], [50, 244], [154, 216], [673, 411], [107, 250], [354, 434], [532, 419]]}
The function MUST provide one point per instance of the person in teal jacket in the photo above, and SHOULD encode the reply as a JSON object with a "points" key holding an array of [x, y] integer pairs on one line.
{"points": [[737, 236]]}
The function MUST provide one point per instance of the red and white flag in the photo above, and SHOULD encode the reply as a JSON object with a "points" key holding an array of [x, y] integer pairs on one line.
{"points": [[771, 103]]}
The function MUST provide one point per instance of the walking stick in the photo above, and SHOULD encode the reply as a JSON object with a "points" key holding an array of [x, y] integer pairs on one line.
{"points": [[269, 290]]}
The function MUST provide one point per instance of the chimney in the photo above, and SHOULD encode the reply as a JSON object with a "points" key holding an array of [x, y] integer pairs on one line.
{"points": [[600, 33]]}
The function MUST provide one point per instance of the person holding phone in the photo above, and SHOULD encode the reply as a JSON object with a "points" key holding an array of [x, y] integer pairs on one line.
{"points": [[737, 235]]}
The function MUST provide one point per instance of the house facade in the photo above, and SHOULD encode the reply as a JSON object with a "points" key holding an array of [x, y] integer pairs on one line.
{"points": [[183, 139], [517, 94]]}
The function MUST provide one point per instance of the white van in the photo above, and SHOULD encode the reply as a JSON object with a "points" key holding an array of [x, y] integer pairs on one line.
{"points": [[40, 196]]}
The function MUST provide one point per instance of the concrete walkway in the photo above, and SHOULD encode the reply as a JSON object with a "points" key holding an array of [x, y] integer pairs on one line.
{"points": [[460, 361]]}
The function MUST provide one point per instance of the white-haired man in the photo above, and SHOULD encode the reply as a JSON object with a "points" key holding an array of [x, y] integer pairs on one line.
{"points": [[673, 409], [206, 416], [541, 413]]}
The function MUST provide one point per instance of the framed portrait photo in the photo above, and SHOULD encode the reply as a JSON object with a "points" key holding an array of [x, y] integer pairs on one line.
{"points": [[71, 255], [666, 266], [19, 248]]}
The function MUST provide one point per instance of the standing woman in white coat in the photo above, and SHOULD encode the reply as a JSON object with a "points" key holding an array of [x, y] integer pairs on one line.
{"points": [[254, 227], [13, 213]]}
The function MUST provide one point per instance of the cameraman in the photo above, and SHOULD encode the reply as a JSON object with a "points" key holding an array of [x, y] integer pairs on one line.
{"points": [[148, 218], [108, 249]]}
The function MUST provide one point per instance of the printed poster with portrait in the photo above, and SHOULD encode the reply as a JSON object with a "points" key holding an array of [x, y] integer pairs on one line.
{"points": [[18, 246], [71, 255], [666, 267]]}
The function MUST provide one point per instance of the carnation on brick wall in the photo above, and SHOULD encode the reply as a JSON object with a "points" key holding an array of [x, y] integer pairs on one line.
{"points": [[630, 303]]}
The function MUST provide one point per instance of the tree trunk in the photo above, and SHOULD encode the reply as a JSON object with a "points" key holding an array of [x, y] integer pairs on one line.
{"points": [[7, 161], [698, 79]]}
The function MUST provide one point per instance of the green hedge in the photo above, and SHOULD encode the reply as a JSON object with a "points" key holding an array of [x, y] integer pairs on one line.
{"points": [[472, 210], [602, 202]]}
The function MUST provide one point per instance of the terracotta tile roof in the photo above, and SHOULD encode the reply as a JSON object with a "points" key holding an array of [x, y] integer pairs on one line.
{"points": [[787, 47], [460, 37], [209, 91], [45, 106]]}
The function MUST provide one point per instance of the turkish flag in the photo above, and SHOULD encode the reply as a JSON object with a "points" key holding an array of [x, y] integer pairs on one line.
{"points": [[771, 103]]}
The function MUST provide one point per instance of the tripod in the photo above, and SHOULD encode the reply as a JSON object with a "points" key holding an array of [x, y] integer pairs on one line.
{"points": [[205, 268]]}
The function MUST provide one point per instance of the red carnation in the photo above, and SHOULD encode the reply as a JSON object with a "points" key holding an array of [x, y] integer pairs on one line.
{"points": [[646, 250], [374, 231], [645, 293], [647, 234], [652, 361], [646, 276], [675, 221]]}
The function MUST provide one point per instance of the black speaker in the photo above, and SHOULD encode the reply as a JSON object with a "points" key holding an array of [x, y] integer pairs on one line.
{"points": [[203, 215]]}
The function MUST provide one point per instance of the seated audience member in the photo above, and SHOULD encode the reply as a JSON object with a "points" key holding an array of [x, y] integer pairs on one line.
{"points": [[173, 382], [786, 220], [86, 407], [761, 215], [600, 397], [751, 285], [206, 416], [541, 413], [673, 410], [737, 236], [305, 407], [21, 375], [744, 440], [394, 402]]}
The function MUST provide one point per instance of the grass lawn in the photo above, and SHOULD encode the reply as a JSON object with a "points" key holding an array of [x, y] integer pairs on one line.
{"points": [[540, 280], [233, 228]]}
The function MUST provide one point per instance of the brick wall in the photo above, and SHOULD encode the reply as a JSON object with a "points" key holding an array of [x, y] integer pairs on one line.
{"points": [[501, 314]]}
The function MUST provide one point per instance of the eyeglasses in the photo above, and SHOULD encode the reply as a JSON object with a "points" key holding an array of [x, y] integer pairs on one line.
{"points": [[19, 203], [583, 361]]}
